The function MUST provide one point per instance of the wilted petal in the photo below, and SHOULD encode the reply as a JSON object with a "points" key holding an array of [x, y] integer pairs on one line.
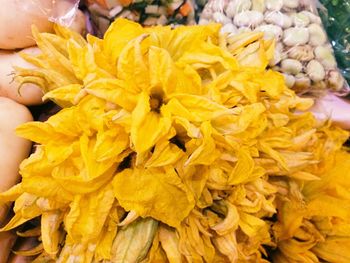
{"points": [[150, 192]]}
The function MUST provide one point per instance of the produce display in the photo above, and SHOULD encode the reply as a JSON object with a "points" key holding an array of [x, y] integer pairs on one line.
{"points": [[162, 154], [146, 12], [141, 142], [303, 53]]}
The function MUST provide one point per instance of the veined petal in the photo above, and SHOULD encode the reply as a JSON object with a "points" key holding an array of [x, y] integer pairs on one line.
{"points": [[132, 67], [243, 168], [87, 216], [39, 132], [185, 38], [150, 192], [104, 245], [110, 143], [64, 96], [250, 225], [195, 108], [241, 120], [147, 126], [206, 153], [113, 90], [170, 243], [165, 153], [118, 35], [161, 73], [50, 233]]}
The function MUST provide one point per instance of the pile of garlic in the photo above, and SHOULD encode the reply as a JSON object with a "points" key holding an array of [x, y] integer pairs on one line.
{"points": [[303, 54]]}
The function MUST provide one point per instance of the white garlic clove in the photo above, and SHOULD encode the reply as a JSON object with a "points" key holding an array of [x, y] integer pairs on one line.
{"points": [[207, 13], [301, 53], [228, 28], [217, 6], [306, 3], [319, 85], [330, 63], [290, 3], [278, 18], [317, 35], [248, 19], [270, 31], [324, 54], [274, 5], [291, 66], [302, 83], [335, 80], [312, 17], [315, 71], [236, 7], [258, 5], [289, 80], [296, 36], [203, 21], [279, 46], [219, 17], [300, 19]]}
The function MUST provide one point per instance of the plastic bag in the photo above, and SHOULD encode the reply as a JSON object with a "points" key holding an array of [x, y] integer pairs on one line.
{"points": [[146, 12], [303, 53], [336, 19], [62, 12]]}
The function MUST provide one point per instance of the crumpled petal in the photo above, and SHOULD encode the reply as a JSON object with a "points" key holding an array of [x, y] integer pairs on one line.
{"points": [[150, 192]]}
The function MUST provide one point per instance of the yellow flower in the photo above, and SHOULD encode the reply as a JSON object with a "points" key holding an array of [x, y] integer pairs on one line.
{"points": [[175, 144]]}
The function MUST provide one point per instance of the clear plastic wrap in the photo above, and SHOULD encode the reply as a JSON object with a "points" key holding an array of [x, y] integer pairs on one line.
{"points": [[303, 53], [336, 19], [62, 12]]}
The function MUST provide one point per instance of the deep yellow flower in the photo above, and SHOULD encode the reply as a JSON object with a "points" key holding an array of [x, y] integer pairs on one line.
{"points": [[175, 144]]}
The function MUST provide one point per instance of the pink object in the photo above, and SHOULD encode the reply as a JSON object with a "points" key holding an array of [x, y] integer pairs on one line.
{"points": [[335, 108]]}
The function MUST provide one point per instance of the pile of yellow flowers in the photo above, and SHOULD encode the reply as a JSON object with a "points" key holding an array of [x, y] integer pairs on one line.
{"points": [[177, 145]]}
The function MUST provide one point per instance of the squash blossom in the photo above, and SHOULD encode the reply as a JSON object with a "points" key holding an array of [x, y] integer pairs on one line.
{"points": [[177, 145]]}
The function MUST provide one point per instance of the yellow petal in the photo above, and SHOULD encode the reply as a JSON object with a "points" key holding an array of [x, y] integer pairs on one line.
{"points": [[239, 122], [50, 233], [335, 249], [87, 216], [11, 194], [165, 153], [64, 96], [206, 152], [132, 67], [113, 90], [161, 71], [195, 108], [118, 35], [147, 126], [150, 192], [230, 223], [110, 143], [104, 246], [170, 244], [250, 225], [243, 168]]}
